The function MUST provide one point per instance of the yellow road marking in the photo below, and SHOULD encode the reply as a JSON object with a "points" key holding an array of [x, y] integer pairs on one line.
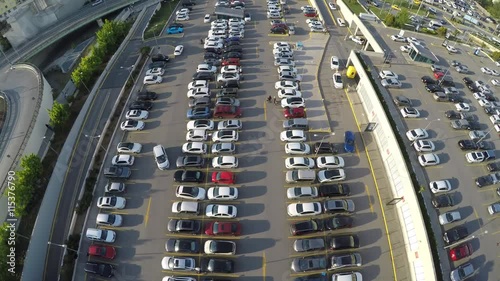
{"points": [[146, 217], [264, 266], [369, 198], [330, 12], [376, 188]]}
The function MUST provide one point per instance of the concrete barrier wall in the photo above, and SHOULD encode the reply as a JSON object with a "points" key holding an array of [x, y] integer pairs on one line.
{"points": [[315, 5], [410, 216]]}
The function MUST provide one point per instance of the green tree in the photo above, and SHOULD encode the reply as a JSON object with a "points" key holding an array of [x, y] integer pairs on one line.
{"points": [[495, 10], [58, 114], [495, 56], [441, 31], [389, 20], [401, 18]]}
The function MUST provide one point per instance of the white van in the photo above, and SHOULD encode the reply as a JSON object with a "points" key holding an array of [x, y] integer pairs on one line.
{"points": [[300, 176], [161, 157], [100, 235], [434, 24]]}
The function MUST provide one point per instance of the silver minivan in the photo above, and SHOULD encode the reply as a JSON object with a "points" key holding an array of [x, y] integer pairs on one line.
{"points": [[300, 176], [296, 123]]}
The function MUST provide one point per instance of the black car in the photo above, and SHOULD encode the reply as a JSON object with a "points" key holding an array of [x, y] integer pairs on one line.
{"points": [[443, 200], [145, 96], [189, 176], [218, 266], [333, 190], [188, 3], [455, 234], [213, 50], [432, 88], [184, 226], [325, 147], [227, 92], [117, 172], [278, 30], [212, 61], [454, 98], [489, 97], [473, 88], [493, 167], [467, 145], [203, 76], [230, 84], [427, 80], [483, 181], [306, 227], [450, 114], [490, 110], [141, 105], [210, 55], [349, 241], [236, 48], [315, 277], [159, 58], [157, 64], [231, 43], [446, 81], [473, 126], [189, 161], [338, 222], [467, 81], [99, 268], [484, 145], [182, 246], [233, 55]]}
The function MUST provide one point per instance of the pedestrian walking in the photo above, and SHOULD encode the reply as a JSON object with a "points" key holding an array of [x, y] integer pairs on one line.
{"points": [[269, 99], [275, 101]]}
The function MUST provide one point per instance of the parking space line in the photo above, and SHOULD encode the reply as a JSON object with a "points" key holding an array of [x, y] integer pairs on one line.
{"points": [[265, 111], [376, 187], [201, 236], [264, 265], [194, 273], [146, 216]]}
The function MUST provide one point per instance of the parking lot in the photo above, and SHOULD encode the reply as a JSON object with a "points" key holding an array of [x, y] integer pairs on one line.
{"points": [[470, 201], [265, 246]]}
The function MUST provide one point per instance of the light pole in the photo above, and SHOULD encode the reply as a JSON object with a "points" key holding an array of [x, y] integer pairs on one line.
{"points": [[130, 71], [62, 246], [438, 119], [485, 135], [96, 137], [83, 83], [48, 143], [322, 139]]}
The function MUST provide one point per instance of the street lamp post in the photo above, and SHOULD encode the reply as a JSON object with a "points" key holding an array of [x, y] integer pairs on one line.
{"points": [[322, 139], [130, 71], [485, 135], [96, 137], [83, 83], [50, 146], [62, 246]]}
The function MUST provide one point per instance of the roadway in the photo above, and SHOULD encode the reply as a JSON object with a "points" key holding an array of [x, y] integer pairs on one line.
{"points": [[264, 249], [484, 229], [95, 120]]}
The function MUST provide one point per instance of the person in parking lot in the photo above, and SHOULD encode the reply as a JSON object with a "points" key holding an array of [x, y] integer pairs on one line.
{"points": [[269, 99]]}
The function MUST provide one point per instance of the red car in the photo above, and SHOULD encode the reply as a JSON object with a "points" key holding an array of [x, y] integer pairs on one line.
{"points": [[283, 25], [438, 74], [102, 251], [223, 177], [227, 111], [231, 61], [310, 14], [223, 228], [461, 252], [294, 113]]}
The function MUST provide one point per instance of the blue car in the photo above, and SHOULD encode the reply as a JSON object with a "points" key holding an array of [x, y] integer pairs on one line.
{"points": [[175, 30], [199, 113], [237, 39], [349, 142]]}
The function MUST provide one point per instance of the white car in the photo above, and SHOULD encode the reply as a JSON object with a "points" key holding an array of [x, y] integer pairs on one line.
{"points": [[337, 81], [299, 163], [223, 148], [293, 103], [225, 136], [495, 82], [231, 124], [155, 71], [196, 135], [111, 202], [199, 93], [428, 159], [484, 103], [293, 136], [280, 85], [331, 175], [194, 148], [224, 77], [449, 217], [225, 162], [341, 22], [129, 147], [398, 38], [182, 17], [221, 211], [391, 83], [440, 186], [132, 125], [137, 114], [182, 11], [317, 28], [198, 84], [304, 209], [222, 193], [281, 45], [486, 70], [413, 40], [417, 134], [332, 6], [178, 50], [234, 69], [358, 40], [307, 7], [424, 146], [462, 107], [405, 48], [200, 124], [330, 162], [206, 19], [185, 207], [178, 264], [451, 49], [286, 68], [152, 79], [289, 93], [410, 112], [297, 148], [206, 68], [302, 192], [334, 63], [248, 18], [123, 160], [495, 73], [387, 74]]}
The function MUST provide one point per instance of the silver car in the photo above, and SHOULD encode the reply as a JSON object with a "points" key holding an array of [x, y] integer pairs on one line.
{"points": [[311, 244]]}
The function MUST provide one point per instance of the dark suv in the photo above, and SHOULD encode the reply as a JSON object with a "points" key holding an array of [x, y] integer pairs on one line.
{"points": [[145, 95], [325, 147], [189, 176], [117, 172], [305, 227], [184, 226], [278, 30], [99, 268]]}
